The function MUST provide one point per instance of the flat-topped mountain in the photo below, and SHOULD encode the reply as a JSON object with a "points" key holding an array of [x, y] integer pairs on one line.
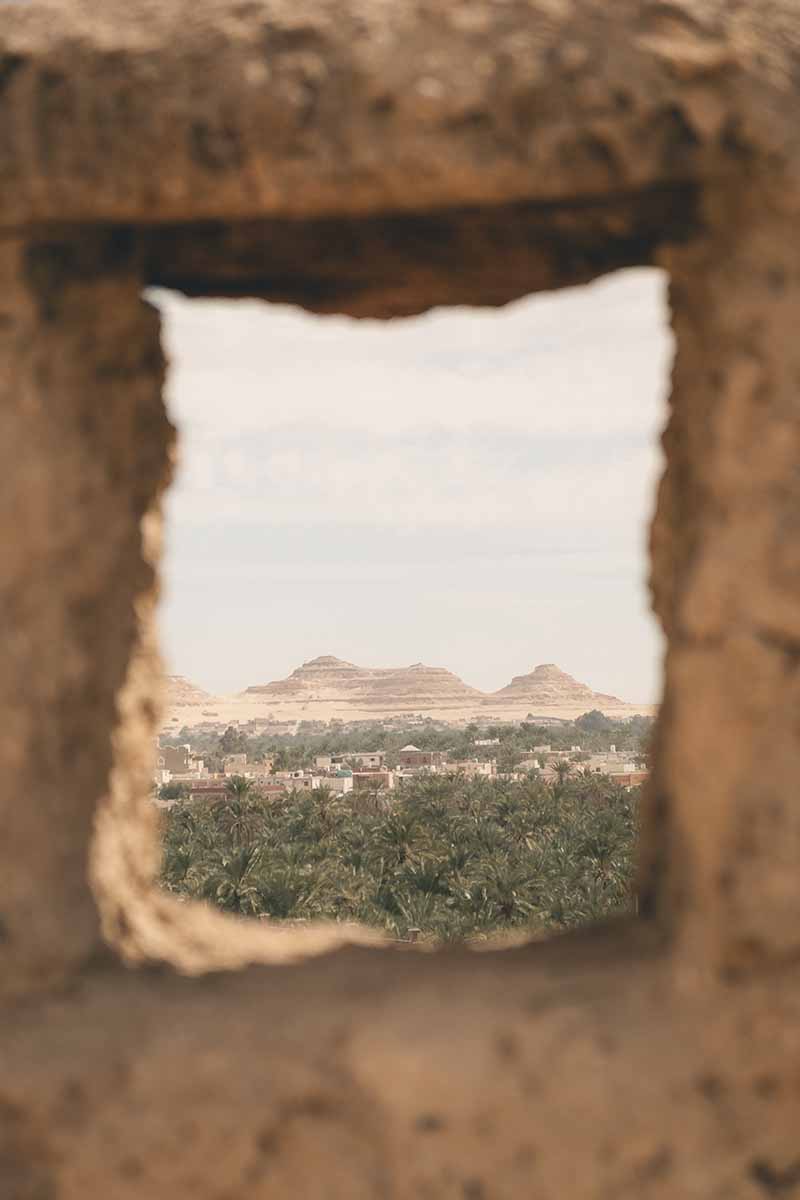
{"points": [[328, 688], [387, 689]]}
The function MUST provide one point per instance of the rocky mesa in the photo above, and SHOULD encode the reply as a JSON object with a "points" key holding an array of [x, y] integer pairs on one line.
{"points": [[329, 688], [383, 690]]}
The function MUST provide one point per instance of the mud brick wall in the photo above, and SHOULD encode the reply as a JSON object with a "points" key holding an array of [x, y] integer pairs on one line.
{"points": [[378, 159]]}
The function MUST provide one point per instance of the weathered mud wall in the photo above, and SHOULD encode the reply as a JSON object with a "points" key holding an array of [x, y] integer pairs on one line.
{"points": [[378, 159], [237, 109]]}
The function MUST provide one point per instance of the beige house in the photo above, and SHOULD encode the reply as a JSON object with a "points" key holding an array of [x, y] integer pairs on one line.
{"points": [[473, 769], [529, 764], [373, 780], [368, 760], [175, 759]]}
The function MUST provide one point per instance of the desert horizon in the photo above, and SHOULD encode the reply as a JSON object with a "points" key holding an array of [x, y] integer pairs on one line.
{"points": [[405, 500], [328, 688]]}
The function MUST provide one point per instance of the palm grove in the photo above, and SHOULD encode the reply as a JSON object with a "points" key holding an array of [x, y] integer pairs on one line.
{"points": [[449, 858]]}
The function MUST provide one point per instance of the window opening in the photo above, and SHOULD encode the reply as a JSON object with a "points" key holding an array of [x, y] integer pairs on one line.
{"points": [[467, 493]]}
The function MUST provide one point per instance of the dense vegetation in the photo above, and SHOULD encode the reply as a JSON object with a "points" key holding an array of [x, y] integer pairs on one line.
{"points": [[452, 859]]}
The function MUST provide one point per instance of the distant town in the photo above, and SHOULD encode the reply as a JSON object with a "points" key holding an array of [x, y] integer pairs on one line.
{"points": [[263, 754]]}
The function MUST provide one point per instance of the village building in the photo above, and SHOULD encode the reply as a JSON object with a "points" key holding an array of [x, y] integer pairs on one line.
{"points": [[371, 760], [473, 769], [630, 779], [301, 781], [529, 764], [373, 780], [234, 764], [412, 756], [208, 789], [174, 758], [341, 782], [260, 770], [612, 763], [237, 764], [176, 764]]}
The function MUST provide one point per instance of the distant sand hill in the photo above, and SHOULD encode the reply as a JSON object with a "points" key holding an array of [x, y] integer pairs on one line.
{"points": [[546, 685], [328, 688], [181, 691]]}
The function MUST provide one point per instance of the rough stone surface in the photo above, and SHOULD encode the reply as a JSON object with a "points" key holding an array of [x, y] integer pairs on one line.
{"points": [[84, 453], [588, 1068], [726, 579], [379, 158], [139, 110]]}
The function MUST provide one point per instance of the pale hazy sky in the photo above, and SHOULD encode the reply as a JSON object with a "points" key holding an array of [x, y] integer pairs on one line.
{"points": [[468, 489]]}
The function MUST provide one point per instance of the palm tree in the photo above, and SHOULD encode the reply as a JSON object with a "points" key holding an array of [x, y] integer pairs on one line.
{"points": [[239, 787], [178, 861], [241, 813], [232, 880], [562, 768], [395, 837], [292, 891]]}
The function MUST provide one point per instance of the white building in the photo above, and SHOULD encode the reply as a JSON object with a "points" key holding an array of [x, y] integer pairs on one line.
{"points": [[611, 764], [300, 781]]}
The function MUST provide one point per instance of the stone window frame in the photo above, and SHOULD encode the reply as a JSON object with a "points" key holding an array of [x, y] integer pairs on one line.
{"points": [[376, 164]]}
